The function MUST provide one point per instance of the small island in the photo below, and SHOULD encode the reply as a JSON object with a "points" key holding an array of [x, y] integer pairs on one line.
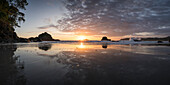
{"points": [[105, 39], [45, 37], [41, 37]]}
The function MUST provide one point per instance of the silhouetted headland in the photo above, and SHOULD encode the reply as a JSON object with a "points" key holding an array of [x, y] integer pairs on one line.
{"points": [[45, 37], [105, 39], [41, 37]]}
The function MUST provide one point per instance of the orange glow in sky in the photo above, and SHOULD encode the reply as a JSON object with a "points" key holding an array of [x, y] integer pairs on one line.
{"points": [[81, 38]]}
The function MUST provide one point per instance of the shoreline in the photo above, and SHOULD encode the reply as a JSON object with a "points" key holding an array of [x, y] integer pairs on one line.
{"points": [[97, 42]]}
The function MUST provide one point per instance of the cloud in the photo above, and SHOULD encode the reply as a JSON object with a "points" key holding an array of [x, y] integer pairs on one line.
{"points": [[47, 27], [144, 34], [116, 17]]}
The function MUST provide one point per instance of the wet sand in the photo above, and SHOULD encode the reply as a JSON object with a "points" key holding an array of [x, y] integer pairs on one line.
{"points": [[84, 64]]}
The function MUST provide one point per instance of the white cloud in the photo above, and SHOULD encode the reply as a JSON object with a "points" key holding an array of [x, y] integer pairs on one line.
{"points": [[144, 34]]}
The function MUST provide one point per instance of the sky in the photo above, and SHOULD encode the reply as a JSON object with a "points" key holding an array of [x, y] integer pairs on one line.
{"points": [[93, 19]]}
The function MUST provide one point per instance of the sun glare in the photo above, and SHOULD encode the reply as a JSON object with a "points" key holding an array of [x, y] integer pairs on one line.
{"points": [[81, 45], [81, 38]]}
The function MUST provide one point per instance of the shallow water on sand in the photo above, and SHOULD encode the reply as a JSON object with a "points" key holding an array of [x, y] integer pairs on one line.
{"points": [[84, 64]]}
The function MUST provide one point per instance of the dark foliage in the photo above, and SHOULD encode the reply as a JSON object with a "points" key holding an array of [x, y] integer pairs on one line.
{"points": [[10, 17]]}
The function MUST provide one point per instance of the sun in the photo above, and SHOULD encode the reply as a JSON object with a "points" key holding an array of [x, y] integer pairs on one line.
{"points": [[81, 38]]}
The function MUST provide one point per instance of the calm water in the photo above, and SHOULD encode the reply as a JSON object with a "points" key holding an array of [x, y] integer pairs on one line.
{"points": [[84, 64]]}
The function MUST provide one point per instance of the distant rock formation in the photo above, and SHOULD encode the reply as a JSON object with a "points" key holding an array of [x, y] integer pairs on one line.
{"points": [[151, 39], [34, 39], [114, 41], [160, 41], [41, 37], [56, 40], [23, 40], [45, 37], [105, 39]]}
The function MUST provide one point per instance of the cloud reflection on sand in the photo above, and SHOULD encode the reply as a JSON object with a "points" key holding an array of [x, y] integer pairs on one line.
{"points": [[87, 63]]}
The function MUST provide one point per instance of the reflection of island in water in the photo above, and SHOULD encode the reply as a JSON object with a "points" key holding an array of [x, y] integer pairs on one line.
{"points": [[104, 46], [10, 67], [44, 46]]}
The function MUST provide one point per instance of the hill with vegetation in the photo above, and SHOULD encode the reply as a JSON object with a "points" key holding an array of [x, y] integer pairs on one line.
{"points": [[10, 17]]}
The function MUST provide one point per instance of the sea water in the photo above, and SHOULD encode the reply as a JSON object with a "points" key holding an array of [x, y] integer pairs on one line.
{"points": [[84, 63]]}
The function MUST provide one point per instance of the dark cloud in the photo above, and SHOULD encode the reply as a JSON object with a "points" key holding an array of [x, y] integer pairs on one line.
{"points": [[47, 27], [116, 17]]}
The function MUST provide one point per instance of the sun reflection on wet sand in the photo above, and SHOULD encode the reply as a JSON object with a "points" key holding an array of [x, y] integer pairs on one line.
{"points": [[81, 45]]}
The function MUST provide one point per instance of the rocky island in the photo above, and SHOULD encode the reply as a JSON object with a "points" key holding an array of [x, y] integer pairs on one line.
{"points": [[42, 37], [105, 39], [45, 37]]}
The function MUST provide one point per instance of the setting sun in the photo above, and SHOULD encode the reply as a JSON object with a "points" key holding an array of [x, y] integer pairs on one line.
{"points": [[81, 38]]}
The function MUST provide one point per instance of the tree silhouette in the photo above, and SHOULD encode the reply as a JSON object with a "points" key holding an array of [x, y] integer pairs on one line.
{"points": [[11, 16]]}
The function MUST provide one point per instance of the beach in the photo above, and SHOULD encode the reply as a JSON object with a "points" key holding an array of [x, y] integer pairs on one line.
{"points": [[84, 63]]}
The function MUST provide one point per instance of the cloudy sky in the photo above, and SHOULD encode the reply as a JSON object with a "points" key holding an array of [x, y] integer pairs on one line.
{"points": [[69, 19]]}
